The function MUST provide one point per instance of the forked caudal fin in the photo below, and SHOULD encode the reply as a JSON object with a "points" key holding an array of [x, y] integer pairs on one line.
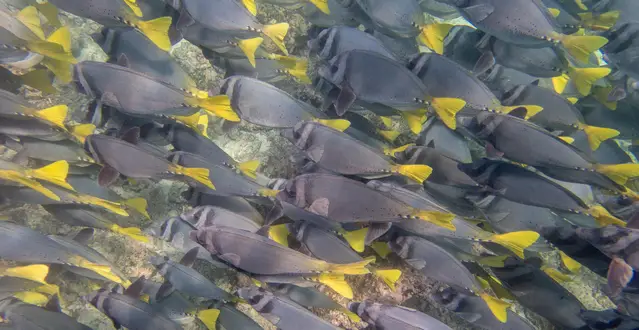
{"points": [[447, 109], [33, 184], [321, 5], [584, 78], [157, 30], [600, 22], [249, 168], [55, 173], [417, 172], [218, 105], [389, 276], [603, 217], [597, 135], [279, 234], [433, 35], [498, 307], [200, 175], [441, 219], [133, 232], [356, 238], [209, 317], [355, 268], [54, 115], [249, 47], [569, 263], [338, 124], [619, 173], [277, 33], [102, 270], [582, 46], [531, 110], [516, 242], [337, 283]]}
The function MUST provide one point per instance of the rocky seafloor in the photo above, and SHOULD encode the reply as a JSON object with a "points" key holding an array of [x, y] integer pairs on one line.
{"points": [[243, 142]]}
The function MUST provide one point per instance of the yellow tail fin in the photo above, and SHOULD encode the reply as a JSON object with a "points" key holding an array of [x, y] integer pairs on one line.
{"points": [[200, 175], [601, 22], [531, 110], [338, 124], [49, 289], [572, 100], [189, 121], [441, 219], [389, 276], [447, 109], [387, 121], [389, 135], [107, 205], [249, 168], [218, 105], [356, 238], [250, 6], [40, 80], [29, 17], [516, 241], [133, 232], [497, 306], [601, 95], [134, 7], [300, 75], [567, 139], [559, 83], [603, 217], [249, 47], [393, 151], [556, 275], [596, 135], [139, 204], [50, 12], [417, 173], [355, 268], [277, 32], [584, 78], [433, 35], [619, 173], [55, 173], [337, 283], [321, 5], [415, 120], [279, 234], [81, 131], [268, 192], [31, 297], [352, 316], [209, 317], [36, 273], [157, 30], [203, 125], [33, 184], [102, 270], [554, 12], [62, 37], [61, 69], [582, 46], [55, 115], [569, 263], [381, 248]]}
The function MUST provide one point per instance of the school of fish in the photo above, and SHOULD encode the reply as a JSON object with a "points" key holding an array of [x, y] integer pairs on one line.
{"points": [[496, 156]]}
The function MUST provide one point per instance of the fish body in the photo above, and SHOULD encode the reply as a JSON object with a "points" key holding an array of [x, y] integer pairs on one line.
{"points": [[387, 317], [445, 169], [539, 62], [204, 216], [439, 9], [283, 313], [445, 140], [340, 39], [26, 316], [339, 15], [16, 107], [614, 241], [324, 245], [401, 48], [398, 18], [68, 150], [185, 139]]}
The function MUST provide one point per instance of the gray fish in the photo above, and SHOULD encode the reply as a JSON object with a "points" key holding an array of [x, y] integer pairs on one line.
{"points": [[387, 317], [283, 313], [511, 136], [525, 23], [207, 215], [340, 39], [401, 90], [240, 248], [175, 305], [402, 48], [624, 7], [120, 157], [353, 201], [609, 151], [474, 310], [237, 205], [132, 49], [19, 315], [78, 244], [126, 310], [137, 94], [460, 45], [447, 79], [226, 180], [225, 44], [182, 277], [622, 119], [263, 104], [231, 17], [439, 9], [231, 318], [28, 127], [312, 298], [445, 169], [35, 148], [560, 114], [445, 140], [185, 139], [338, 15], [323, 244], [507, 216], [501, 79], [268, 70], [325, 146], [401, 19], [14, 106]]}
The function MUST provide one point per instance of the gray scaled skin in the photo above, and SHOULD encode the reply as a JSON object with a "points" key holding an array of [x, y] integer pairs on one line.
{"points": [[626, 9], [538, 62], [266, 105], [185, 139], [78, 245], [501, 79], [11, 285], [15, 107], [219, 43], [445, 169], [388, 88], [322, 244], [402, 48], [71, 151], [445, 78], [514, 137], [236, 205], [227, 16], [344, 200], [307, 296], [339, 15], [614, 241], [127, 159], [107, 13], [435, 262], [439, 9], [340, 39], [325, 146], [507, 216], [283, 313], [30, 127], [390, 317], [175, 305], [474, 310], [130, 312], [609, 152], [621, 51], [400, 18], [623, 119], [231, 318], [267, 70], [521, 22], [446, 141], [129, 91], [540, 293], [19, 315], [460, 45], [183, 278], [22, 244], [226, 179], [207, 215], [254, 253], [85, 216], [131, 48]]}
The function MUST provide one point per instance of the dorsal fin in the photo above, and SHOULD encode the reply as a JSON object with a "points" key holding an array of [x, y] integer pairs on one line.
{"points": [[131, 135], [189, 258], [84, 236], [53, 304], [135, 289]]}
